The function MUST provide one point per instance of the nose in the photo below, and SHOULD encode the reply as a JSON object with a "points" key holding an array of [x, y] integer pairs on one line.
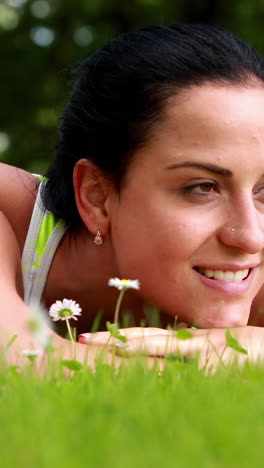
{"points": [[244, 228]]}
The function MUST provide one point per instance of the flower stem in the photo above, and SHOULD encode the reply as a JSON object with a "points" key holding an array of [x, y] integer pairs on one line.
{"points": [[69, 330], [119, 300], [71, 337]]}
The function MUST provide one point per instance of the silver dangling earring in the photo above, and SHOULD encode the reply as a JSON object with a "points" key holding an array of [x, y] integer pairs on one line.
{"points": [[98, 238]]}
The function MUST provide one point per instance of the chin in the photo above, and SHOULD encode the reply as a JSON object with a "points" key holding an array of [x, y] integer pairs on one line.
{"points": [[225, 322], [228, 317]]}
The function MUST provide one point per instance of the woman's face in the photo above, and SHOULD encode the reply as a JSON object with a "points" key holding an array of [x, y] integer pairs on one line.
{"points": [[189, 223]]}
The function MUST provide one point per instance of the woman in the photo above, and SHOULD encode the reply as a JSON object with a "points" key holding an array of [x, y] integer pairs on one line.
{"points": [[158, 176]]}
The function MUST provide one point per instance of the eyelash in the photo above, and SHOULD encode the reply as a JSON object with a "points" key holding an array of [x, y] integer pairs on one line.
{"points": [[192, 192], [260, 189], [190, 189]]}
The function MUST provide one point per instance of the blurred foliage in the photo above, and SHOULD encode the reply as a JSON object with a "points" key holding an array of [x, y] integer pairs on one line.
{"points": [[42, 40]]}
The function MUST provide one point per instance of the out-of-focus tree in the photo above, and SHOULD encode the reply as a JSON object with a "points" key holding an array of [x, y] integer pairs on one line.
{"points": [[42, 40]]}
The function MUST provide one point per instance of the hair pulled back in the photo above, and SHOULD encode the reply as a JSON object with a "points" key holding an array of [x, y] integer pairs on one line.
{"points": [[121, 91]]}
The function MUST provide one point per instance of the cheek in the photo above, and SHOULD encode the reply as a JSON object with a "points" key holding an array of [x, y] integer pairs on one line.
{"points": [[153, 239]]}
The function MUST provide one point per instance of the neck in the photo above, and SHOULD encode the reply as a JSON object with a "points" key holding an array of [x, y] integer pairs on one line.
{"points": [[80, 271]]}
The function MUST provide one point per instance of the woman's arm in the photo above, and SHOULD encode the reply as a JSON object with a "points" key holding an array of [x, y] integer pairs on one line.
{"points": [[13, 311], [14, 314]]}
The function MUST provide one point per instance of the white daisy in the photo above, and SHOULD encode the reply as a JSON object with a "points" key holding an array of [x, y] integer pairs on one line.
{"points": [[64, 310], [123, 284]]}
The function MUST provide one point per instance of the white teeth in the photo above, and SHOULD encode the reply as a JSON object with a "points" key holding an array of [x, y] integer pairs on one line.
{"points": [[240, 275], [209, 273], [224, 275], [218, 275]]}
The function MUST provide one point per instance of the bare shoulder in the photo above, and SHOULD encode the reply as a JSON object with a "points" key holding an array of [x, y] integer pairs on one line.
{"points": [[17, 197]]}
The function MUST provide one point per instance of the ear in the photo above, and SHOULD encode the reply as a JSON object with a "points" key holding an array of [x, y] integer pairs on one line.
{"points": [[92, 190]]}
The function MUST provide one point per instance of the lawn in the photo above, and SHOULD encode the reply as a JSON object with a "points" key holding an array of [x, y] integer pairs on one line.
{"points": [[134, 417]]}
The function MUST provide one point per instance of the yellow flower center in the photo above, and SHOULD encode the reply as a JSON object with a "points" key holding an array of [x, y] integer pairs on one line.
{"points": [[65, 313]]}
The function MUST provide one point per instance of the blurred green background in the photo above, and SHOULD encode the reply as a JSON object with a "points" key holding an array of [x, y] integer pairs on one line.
{"points": [[41, 41]]}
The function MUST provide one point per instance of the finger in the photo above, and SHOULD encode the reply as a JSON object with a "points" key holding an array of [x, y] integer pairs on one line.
{"points": [[210, 332], [101, 338], [222, 357], [106, 340], [162, 345]]}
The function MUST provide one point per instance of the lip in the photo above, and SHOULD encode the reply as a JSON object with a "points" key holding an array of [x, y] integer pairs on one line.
{"points": [[230, 288]]}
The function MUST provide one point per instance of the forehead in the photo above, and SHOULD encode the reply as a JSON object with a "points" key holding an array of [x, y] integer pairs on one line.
{"points": [[214, 109], [211, 119]]}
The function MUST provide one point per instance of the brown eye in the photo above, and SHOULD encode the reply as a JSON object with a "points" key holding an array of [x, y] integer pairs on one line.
{"points": [[206, 187], [202, 190]]}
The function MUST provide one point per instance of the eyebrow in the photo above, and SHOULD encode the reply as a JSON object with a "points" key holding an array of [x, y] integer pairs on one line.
{"points": [[208, 167]]}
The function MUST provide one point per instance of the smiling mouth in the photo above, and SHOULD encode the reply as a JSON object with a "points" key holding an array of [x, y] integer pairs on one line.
{"points": [[224, 275]]}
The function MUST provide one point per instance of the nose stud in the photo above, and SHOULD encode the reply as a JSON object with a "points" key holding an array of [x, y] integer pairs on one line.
{"points": [[233, 229]]}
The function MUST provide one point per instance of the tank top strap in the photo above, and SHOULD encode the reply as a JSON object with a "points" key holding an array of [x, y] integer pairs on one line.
{"points": [[44, 235]]}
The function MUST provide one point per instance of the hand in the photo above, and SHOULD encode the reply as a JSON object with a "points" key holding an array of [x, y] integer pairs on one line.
{"points": [[208, 344]]}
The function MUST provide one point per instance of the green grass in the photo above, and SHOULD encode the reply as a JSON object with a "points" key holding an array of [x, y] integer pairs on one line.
{"points": [[132, 418]]}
